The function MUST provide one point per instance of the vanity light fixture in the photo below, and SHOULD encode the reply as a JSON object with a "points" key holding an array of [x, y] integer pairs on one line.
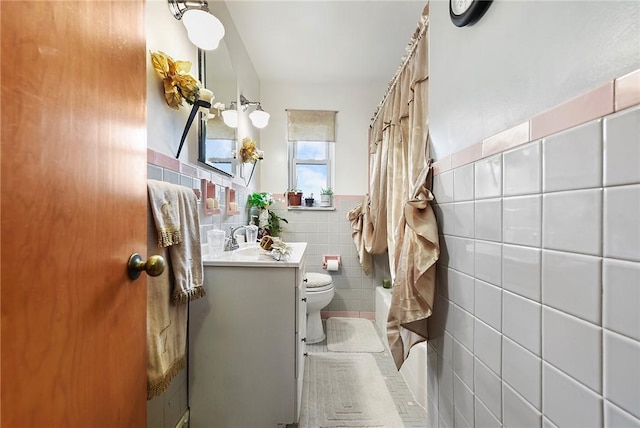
{"points": [[204, 30], [230, 116], [259, 118]]}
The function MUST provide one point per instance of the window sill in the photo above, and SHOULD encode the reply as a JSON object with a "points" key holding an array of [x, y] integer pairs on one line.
{"points": [[301, 208]]}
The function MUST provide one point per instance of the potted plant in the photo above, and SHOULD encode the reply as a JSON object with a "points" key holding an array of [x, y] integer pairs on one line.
{"points": [[326, 197], [273, 227], [258, 204], [294, 197], [309, 201]]}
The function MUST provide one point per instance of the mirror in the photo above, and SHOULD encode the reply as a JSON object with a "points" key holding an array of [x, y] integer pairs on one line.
{"points": [[217, 141]]}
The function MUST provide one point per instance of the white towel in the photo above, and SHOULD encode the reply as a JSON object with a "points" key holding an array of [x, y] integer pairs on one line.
{"points": [[175, 212]]}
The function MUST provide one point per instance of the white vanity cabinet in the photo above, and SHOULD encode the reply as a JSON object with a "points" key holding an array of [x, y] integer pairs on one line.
{"points": [[247, 343]]}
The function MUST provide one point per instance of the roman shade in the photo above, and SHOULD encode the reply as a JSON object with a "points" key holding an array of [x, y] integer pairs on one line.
{"points": [[311, 125], [218, 130]]}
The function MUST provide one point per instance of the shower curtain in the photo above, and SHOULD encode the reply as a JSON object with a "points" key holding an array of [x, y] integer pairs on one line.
{"points": [[398, 216]]}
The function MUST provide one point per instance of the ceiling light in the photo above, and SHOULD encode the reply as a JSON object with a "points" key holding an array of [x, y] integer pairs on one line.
{"points": [[204, 30]]}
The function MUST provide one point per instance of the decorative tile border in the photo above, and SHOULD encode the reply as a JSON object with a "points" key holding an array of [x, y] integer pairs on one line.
{"points": [[627, 90], [581, 109], [615, 95], [512, 137]]}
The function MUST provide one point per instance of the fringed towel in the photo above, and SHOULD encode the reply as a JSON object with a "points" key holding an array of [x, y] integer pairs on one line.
{"points": [[181, 281], [175, 213], [414, 285], [356, 217]]}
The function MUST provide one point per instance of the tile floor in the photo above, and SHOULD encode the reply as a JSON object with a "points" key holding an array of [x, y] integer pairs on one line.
{"points": [[412, 414]]}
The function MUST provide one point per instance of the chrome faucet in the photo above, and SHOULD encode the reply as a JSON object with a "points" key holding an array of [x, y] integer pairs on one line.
{"points": [[231, 243]]}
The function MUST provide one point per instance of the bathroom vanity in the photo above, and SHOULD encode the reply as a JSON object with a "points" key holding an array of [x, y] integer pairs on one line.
{"points": [[246, 341]]}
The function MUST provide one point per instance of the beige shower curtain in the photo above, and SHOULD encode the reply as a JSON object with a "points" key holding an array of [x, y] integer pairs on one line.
{"points": [[398, 216]]}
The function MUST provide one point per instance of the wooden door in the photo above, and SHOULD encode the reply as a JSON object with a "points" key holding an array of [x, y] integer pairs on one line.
{"points": [[73, 179]]}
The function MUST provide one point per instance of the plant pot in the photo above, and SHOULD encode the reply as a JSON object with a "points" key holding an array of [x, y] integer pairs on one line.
{"points": [[294, 198], [326, 200], [308, 202]]}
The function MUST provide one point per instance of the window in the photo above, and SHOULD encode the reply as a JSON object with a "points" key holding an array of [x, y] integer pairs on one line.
{"points": [[310, 166], [311, 136]]}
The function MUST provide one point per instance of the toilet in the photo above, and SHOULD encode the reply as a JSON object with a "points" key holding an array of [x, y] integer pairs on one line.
{"points": [[319, 293]]}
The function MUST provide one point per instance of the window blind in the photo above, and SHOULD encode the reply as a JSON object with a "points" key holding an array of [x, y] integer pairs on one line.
{"points": [[311, 125]]}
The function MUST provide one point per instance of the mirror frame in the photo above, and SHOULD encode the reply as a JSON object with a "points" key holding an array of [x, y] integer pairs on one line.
{"points": [[202, 123]]}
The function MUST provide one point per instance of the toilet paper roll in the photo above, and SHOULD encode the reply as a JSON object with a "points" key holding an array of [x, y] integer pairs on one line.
{"points": [[332, 265]]}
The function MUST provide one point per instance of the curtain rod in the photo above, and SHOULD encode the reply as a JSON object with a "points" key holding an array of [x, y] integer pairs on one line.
{"points": [[412, 49]]}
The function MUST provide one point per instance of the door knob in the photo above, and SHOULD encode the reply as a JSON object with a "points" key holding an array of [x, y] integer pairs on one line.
{"points": [[154, 266]]}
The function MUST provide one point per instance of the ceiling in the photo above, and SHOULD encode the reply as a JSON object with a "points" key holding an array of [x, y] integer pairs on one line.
{"points": [[326, 41]]}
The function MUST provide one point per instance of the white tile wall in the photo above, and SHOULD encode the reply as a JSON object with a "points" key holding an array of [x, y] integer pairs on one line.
{"points": [[488, 262], [522, 370], [488, 220], [567, 275], [573, 159], [463, 363], [615, 417], [555, 260], [522, 220], [621, 297], [487, 346], [521, 271], [488, 389], [573, 346], [521, 321], [621, 222], [622, 372], [621, 148], [567, 216], [464, 223], [488, 177], [567, 402], [488, 304], [463, 178], [517, 412], [523, 170]]}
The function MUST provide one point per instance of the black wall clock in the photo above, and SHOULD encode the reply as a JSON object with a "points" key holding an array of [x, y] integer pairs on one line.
{"points": [[467, 12]]}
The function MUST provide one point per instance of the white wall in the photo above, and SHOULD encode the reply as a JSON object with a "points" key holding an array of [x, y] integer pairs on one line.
{"points": [[355, 105], [520, 59]]}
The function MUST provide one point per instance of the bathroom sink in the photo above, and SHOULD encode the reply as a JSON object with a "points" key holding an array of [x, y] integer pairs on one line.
{"points": [[248, 253]]}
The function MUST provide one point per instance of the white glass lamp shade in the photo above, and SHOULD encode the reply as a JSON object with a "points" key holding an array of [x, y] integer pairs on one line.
{"points": [[204, 30], [259, 118], [230, 118]]}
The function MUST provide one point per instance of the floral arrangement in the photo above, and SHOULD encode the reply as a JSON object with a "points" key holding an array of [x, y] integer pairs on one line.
{"points": [[249, 153], [260, 200], [178, 84], [280, 250]]}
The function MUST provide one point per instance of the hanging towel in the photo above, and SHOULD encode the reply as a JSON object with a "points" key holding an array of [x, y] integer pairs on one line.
{"points": [[356, 217], [166, 323], [414, 285], [175, 214]]}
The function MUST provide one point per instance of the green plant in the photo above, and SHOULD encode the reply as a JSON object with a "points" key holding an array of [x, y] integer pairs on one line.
{"points": [[274, 223], [294, 190], [260, 200], [327, 191]]}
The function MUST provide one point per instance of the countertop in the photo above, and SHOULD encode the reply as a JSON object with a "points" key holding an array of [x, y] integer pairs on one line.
{"points": [[260, 259]]}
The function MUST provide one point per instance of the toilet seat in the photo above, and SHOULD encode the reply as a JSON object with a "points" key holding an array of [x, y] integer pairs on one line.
{"points": [[318, 282]]}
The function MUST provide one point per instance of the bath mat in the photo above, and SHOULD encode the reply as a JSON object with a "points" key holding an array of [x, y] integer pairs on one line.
{"points": [[345, 390], [352, 335]]}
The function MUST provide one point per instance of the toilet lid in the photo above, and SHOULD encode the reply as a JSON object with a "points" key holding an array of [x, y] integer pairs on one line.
{"points": [[317, 280]]}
